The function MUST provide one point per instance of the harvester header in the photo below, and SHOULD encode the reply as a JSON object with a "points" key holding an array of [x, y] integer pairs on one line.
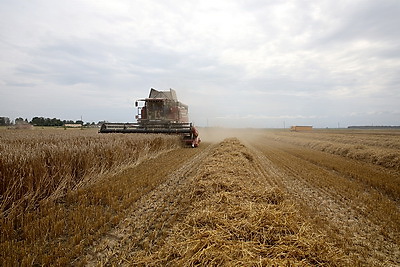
{"points": [[160, 113]]}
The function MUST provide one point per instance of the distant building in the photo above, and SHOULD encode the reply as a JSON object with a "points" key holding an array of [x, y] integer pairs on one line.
{"points": [[301, 128], [72, 125]]}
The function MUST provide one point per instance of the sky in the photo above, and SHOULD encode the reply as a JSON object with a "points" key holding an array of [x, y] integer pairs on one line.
{"points": [[238, 63]]}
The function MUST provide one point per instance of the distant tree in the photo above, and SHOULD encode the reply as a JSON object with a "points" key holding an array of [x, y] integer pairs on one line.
{"points": [[37, 121], [5, 121], [55, 122], [68, 122], [40, 121], [79, 122], [19, 120]]}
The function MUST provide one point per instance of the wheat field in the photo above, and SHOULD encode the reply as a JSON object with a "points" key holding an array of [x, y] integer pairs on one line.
{"points": [[51, 194], [242, 198]]}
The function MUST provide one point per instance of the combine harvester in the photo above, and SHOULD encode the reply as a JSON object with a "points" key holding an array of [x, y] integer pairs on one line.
{"points": [[160, 113]]}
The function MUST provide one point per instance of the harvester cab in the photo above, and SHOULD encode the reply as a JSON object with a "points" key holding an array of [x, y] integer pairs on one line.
{"points": [[161, 112], [161, 106]]}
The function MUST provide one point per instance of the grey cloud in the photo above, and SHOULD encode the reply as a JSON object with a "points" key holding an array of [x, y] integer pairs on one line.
{"points": [[372, 20], [19, 84], [375, 21], [298, 61]]}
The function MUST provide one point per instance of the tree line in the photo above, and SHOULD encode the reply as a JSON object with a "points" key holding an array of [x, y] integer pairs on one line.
{"points": [[38, 121]]}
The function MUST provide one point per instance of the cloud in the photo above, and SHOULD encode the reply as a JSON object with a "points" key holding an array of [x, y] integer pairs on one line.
{"points": [[254, 61]]}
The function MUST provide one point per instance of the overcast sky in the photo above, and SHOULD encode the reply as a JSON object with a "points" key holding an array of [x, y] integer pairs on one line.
{"points": [[242, 63]]}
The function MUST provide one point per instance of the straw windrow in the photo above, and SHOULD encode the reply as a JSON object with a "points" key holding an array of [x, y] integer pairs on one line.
{"points": [[236, 219]]}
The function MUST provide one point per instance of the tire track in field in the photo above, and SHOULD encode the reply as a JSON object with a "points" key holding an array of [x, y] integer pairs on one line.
{"points": [[330, 205], [292, 182], [149, 218]]}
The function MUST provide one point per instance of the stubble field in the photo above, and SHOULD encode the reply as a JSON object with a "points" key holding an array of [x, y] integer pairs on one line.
{"points": [[243, 198]]}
